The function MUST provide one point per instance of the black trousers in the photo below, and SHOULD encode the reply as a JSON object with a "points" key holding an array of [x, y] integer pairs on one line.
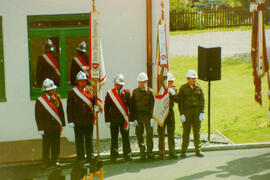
{"points": [[192, 121], [83, 141], [51, 144], [115, 128], [170, 124]]}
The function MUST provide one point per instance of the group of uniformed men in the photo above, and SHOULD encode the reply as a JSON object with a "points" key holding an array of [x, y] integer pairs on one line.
{"points": [[123, 110]]}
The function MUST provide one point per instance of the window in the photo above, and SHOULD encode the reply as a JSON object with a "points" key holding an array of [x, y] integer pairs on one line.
{"points": [[54, 41], [2, 69]]}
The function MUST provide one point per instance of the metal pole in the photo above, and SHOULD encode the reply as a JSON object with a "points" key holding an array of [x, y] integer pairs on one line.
{"points": [[149, 40], [209, 109], [163, 142]]}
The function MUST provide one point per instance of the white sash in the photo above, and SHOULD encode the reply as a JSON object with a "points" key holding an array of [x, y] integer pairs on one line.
{"points": [[83, 97], [80, 64], [50, 110], [119, 104], [49, 61]]}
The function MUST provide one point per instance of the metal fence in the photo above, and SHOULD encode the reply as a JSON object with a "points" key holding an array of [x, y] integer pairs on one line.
{"points": [[202, 19]]}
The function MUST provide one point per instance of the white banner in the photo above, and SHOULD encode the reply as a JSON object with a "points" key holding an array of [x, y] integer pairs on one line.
{"points": [[95, 46], [163, 55]]}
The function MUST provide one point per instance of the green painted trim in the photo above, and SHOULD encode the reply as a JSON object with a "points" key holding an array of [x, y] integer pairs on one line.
{"points": [[61, 33], [57, 17], [2, 66]]}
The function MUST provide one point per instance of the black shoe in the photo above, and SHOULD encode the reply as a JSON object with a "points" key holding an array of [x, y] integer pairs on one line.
{"points": [[199, 154], [143, 158], [173, 155], [150, 157], [183, 155], [160, 157], [128, 157], [113, 159]]}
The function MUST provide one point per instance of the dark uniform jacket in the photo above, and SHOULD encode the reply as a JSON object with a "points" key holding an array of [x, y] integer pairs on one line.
{"points": [[112, 113], [190, 98], [75, 68], [78, 111], [142, 101], [45, 121], [45, 70], [173, 98]]}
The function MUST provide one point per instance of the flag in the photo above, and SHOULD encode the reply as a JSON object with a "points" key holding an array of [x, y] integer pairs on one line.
{"points": [[96, 62], [258, 49], [161, 106]]}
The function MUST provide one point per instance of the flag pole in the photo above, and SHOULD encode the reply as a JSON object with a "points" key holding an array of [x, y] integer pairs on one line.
{"points": [[161, 22], [94, 80]]}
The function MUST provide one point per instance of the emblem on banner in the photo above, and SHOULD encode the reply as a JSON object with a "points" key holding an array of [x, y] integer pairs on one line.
{"points": [[95, 66]]}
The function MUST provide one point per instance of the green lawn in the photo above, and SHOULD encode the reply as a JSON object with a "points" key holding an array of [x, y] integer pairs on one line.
{"points": [[233, 109]]}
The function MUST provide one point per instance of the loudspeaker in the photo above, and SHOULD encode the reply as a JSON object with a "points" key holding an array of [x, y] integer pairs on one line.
{"points": [[209, 63]]}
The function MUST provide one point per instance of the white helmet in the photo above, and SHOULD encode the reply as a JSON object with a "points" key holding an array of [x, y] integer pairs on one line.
{"points": [[82, 47], [192, 74], [81, 76], [48, 85], [170, 77], [119, 79], [142, 77]]}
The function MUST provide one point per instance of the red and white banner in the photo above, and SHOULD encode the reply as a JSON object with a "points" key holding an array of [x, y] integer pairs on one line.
{"points": [[258, 49], [84, 96], [120, 105], [96, 61], [81, 63], [50, 107], [52, 62], [161, 106]]}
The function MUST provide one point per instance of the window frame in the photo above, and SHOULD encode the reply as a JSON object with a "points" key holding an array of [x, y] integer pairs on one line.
{"points": [[2, 65], [61, 32]]}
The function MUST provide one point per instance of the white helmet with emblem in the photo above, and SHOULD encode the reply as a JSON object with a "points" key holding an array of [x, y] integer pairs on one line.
{"points": [[192, 74], [142, 77], [48, 85], [119, 79], [82, 47], [170, 77], [81, 76]]}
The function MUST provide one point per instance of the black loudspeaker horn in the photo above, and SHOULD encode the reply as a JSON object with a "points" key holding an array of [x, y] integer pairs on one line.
{"points": [[209, 63]]}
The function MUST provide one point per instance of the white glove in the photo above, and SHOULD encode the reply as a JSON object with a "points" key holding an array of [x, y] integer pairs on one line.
{"points": [[85, 68], [71, 124], [133, 124], [41, 132], [152, 122], [183, 118], [171, 91], [108, 124], [96, 109], [201, 117], [136, 122]]}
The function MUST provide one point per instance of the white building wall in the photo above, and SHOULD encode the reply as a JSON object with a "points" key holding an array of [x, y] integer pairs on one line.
{"points": [[123, 30]]}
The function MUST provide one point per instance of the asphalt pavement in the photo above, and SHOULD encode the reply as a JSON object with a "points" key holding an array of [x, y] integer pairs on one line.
{"points": [[251, 164]]}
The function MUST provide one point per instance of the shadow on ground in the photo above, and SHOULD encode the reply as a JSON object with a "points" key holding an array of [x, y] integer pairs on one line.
{"points": [[243, 167], [135, 166]]}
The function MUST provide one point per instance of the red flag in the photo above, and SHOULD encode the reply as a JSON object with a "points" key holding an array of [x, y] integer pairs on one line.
{"points": [[258, 49]]}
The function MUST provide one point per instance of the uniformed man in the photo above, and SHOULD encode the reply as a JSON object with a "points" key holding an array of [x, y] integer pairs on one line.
{"points": [[80, 111], [79, 62], [48, 65], [170, 120], [142, 111], [191, 108], [50, 119], [117, 109]]}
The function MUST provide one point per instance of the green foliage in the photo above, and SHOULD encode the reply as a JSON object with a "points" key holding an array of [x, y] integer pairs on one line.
{"points": [[233, 109]]}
